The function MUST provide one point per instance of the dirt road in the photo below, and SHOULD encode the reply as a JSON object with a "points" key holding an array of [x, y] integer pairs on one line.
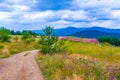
{"points": [[20, 67]]}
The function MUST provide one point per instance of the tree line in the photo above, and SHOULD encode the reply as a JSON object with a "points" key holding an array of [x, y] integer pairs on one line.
{"points": [[111, 40], [21, 32], [5, 34]]}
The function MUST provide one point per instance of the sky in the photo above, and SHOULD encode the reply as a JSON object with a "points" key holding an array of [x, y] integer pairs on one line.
{"points": [[36, 14]]}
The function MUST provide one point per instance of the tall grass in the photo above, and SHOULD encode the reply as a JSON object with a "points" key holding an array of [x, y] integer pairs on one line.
{"points": [[14, 47], [103, 52], [55, 67], [83, 61]]}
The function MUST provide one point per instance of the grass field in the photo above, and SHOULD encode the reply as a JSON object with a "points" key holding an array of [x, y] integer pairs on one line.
{"points": [[77, 61], [82, 61], [10, 48]]}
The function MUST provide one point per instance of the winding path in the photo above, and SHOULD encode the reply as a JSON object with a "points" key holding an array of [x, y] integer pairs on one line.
{"points": [[21, 66]]}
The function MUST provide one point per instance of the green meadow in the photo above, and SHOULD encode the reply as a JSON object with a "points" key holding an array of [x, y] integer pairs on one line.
{"points": [[12, 47], [82, 61]]}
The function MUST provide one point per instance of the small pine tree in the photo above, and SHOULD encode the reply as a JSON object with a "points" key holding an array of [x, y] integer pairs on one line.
{"points": [[48, 40]]}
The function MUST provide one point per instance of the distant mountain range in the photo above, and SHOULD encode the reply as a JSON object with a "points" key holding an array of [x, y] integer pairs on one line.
{"points": [[62, 31], [93, 32]]}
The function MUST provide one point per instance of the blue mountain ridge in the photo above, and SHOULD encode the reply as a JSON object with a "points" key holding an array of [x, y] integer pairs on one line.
{"points": [[72, 31], [95, 34]]}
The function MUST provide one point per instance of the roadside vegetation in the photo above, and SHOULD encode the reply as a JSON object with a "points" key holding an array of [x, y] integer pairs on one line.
{"points": [[13, 44], [9, 48], [4, 34]]}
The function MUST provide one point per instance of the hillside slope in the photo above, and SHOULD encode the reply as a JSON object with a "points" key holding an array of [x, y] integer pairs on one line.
{"points": [[95, 34]]}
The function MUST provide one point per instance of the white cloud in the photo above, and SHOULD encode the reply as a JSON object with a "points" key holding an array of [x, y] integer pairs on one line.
{"points": [[17, 5], [61, 18], [36, 17], [96, 3], [60, 23], [25, 2], [45, 17], [4, 15], [115, 14], [49, 15], [74, 15], [20, 8], [107, 23]]}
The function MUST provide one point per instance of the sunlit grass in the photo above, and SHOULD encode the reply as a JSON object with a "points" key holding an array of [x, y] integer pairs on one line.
{"points": [[84, 61], [103, 52], [55, 67], [14, 47]]}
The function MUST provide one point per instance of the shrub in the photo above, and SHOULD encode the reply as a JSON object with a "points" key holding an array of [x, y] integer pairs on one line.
{"points": [[32, 39], [26, 35], [28, 40], [4, 34]]}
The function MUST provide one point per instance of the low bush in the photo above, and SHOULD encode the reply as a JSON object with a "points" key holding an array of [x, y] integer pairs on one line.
{"points": [[26, 35], [4, 34], [28, 40], [11, 48]]}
